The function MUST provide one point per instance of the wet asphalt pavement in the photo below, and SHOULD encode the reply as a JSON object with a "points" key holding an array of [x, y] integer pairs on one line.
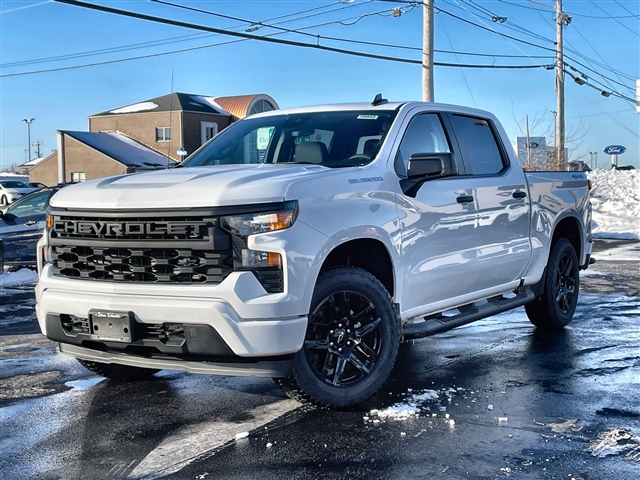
{"points": [[494, 399]]}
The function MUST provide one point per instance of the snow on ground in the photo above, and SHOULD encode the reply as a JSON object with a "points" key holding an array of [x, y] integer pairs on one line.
{"points": [[21, 277], [615, 198]]}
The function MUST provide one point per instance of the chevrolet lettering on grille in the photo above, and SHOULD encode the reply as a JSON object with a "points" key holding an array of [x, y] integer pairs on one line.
{"points": [[116, 229]]}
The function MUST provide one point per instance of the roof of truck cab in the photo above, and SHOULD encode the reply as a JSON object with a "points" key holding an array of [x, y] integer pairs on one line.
{"points": [[342, 107]]}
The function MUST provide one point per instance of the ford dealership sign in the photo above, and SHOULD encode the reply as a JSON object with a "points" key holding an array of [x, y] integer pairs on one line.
{"points": [[614, 149]]}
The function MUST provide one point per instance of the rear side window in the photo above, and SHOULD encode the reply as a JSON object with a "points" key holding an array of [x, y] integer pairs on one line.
{"points": [[478, 144]]}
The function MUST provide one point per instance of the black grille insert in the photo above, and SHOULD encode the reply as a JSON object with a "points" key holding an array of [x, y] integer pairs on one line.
{"points": [[161, 265]]}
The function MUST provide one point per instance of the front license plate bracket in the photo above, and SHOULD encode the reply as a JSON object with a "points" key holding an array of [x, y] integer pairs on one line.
{"points": [[111, 326]]}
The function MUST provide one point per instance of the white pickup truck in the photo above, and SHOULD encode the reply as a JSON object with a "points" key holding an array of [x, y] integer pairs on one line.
{"points": [[306, 244]]}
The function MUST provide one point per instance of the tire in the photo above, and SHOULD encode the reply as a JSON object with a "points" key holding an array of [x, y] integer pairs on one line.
{"points": [[114, 371], [3, 201], [351, 342], [554, 309]]}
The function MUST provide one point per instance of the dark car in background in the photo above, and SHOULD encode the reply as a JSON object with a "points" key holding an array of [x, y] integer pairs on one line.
{"points": [[21, 225]]}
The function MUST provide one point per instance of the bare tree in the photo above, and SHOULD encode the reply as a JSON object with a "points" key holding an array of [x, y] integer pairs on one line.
{"points": [[547, 159]]}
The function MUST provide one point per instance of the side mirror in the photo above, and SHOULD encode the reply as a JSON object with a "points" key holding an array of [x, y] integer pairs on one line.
{"points": [[427, 166]]}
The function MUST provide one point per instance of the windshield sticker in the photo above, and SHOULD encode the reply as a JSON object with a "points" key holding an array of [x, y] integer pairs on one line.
{"points": [[367, 117], [365, 180]]}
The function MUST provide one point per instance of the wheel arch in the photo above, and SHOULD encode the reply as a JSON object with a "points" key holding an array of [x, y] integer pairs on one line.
{"points": [[568, 227], [370, 255]]}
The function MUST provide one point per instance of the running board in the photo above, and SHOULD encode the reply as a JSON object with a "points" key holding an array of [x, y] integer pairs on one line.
{"points": [[440, 323]]}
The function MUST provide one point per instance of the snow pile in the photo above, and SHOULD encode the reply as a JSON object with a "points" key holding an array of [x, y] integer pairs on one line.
{"points": [[615, 199], [21, 277], [413, 405], [615, 442]]}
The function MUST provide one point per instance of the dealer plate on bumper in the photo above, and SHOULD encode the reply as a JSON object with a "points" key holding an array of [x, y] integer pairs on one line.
{"points": [[110, 326]]}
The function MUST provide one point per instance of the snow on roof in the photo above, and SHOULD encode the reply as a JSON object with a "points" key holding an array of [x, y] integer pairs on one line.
{"points": [[208, 101], [136, 107], [123, 149], [33, 162]]}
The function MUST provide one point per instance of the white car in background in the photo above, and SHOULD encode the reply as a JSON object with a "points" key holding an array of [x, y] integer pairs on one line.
{"points": [[11, 190]]}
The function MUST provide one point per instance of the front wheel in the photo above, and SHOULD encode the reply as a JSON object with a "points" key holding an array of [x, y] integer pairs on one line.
{"points": [[555, 307], [115, 371], [351, 342], [3, 201]]}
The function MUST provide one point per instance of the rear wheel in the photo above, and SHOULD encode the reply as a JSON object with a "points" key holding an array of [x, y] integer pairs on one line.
{"points": [[114, 371], [556, 306], [351, 343]]}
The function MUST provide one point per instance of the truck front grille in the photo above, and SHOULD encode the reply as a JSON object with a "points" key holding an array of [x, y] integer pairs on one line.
{"points": [[161, 265]]}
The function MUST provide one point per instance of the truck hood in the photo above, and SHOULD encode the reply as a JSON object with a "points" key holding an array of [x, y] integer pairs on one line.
{"points": [[216, 185]]}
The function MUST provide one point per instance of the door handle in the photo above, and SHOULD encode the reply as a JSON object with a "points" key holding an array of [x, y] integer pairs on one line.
{"points": [[519, 194], [30, 222], [465, 199]]}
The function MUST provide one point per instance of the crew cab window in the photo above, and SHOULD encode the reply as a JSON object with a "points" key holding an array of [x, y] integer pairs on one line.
{"points": [[424, 135], [478, 144]]}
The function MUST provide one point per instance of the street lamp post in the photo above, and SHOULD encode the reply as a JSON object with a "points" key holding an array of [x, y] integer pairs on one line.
{"points": [[28, 122], [594, 155]]}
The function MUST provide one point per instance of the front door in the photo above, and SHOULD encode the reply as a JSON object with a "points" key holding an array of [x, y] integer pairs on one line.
{"points": [[439, 242]]}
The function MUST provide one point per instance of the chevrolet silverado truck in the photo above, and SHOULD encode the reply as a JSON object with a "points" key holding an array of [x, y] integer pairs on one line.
{"points": [[306, 244]]}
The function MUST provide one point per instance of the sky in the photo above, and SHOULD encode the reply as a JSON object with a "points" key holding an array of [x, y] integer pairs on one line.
{"points": [[602, 42]]}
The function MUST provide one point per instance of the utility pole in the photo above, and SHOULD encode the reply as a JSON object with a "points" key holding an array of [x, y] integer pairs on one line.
{"points": [[37, 145], [526, 117], [427, 51], [560, 22], [28, 122]]}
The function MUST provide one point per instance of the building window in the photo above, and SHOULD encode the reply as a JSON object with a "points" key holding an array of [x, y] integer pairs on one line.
{"points": [[78, 177], [261, 106], [207, 131], [163, 134]]}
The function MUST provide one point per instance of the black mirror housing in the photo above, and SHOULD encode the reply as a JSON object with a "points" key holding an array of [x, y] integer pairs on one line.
{"points": [[425, 166]]}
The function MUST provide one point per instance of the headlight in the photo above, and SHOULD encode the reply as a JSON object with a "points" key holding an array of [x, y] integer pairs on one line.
{"points": [[254, 223], [266, 266]]}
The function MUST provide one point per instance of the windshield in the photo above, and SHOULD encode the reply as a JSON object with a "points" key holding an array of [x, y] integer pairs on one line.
{"points": [[13, 184], [332, 139]]}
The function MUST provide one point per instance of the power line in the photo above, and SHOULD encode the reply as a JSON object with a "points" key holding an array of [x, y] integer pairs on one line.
{"points": [[529, 7], [222, 31], [200, 35], [618, 21]]}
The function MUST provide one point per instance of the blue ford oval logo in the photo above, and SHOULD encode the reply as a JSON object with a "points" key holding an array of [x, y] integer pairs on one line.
{"points": [[614, 150]]}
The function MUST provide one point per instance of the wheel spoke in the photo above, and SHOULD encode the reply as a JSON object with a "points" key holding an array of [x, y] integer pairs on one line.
{"points": [[328, 366], [359, 316], [344, 307], [361, 332], [366, 351], [568, 269], [339, 370], [316, 344], [355, 361]]}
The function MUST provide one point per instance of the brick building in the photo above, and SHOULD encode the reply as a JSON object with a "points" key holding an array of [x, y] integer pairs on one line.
{"points": [[143, 136]]}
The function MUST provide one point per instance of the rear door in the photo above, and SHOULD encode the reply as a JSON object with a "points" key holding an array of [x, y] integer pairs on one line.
{"points": [[504, 246]]}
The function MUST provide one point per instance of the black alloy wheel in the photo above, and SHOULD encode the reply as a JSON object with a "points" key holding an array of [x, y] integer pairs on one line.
{"points": [[557, 304], [343, 340], [351, 342]]}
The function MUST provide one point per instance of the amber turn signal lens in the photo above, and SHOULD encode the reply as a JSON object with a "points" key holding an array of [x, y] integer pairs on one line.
{"points": [[49, 222]]}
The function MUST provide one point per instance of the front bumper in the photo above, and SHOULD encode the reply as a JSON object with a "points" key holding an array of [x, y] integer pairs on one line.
{"points": [[261, 368], [244, 337]]}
